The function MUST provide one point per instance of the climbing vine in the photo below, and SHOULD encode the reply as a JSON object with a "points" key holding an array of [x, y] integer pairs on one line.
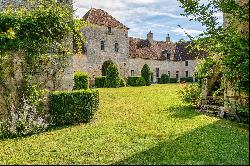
{"points": [[35, 47]]}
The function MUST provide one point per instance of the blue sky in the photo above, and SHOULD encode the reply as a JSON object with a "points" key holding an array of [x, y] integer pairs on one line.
{"points": [[162, 17]]}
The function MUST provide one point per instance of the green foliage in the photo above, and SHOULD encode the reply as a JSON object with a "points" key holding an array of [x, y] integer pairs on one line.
{"points": [[81, 80], [136, 81], [164, 79], [146, 73], [35, 44], [229, 45], [186, 79], [113, 77], [72, 107], [242, 113], [100, 81], [191, 94], [105, 66], [173, 80], [122, 82]]}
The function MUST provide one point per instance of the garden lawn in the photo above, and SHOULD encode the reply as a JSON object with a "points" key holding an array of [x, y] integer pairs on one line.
{"points": [[136, 125]]}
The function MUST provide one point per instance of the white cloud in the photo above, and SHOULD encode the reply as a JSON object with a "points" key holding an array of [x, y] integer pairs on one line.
{"points": [[160, 16], [180, 31]]}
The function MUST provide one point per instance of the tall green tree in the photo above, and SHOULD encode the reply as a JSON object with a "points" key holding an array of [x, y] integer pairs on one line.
{"points": [[146, 73], [227, 45]]}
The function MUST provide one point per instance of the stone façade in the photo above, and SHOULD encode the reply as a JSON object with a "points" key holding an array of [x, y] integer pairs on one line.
{"points": [[163, 57]]}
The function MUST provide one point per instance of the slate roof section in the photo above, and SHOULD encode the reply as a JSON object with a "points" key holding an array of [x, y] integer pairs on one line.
{"points": [[183, 52], [102, 18]]}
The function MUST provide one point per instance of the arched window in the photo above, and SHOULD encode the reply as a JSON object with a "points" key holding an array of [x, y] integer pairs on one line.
{"points": [[116, 47]]}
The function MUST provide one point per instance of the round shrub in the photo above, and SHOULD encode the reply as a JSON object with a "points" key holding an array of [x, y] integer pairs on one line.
{"points": [[164, 79], [100, 81], [113, 77], [145, 73], [81, 80]]}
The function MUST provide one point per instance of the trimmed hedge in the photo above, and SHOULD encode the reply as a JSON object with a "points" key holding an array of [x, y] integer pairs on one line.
{"points": [[186, 79], [113, 77], [136, 81], [146, 73], [100, 81], [70, 107], [81, 80], [164, 79], [173, 80]]}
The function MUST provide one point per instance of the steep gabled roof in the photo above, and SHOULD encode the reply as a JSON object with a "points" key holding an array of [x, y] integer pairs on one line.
{"points": [[102, 18]]}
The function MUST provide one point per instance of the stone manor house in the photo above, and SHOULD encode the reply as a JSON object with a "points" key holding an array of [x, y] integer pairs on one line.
{"points": [[107, 39]]}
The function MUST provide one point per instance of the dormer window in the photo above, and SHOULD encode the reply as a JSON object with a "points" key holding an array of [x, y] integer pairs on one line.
{"points": [[109, 29]]}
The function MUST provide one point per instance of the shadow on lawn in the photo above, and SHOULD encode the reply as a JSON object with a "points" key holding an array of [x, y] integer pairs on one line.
{"points": [[216, 143], [182, 112]]}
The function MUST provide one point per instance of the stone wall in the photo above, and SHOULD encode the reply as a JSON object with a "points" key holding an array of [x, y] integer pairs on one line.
{"points": [[164, 66]]}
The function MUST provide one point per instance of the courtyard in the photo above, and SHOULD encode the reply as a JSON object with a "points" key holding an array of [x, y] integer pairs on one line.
{"points": [[136, 125]]}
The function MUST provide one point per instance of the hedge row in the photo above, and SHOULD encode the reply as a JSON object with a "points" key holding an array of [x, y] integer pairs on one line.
{"points": [[136, 81], [70, 107], [186, 79], [164, 79], [173, 80], [100, 82]]}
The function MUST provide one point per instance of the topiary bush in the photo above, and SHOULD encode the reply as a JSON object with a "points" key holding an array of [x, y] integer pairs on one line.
{"points": [[164, 79], [122, 82], [136, 81], [70, 107], [113, 77], [186, 79], [146, 73], [100, 81], [173, 80], [81, 80]]}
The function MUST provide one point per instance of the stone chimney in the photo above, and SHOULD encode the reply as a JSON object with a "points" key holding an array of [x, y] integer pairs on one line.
{"points": [[150, 37], [168, 38]]}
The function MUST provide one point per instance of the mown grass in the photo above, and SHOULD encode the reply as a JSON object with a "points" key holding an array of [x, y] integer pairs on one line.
{"points": [[136, 125]]}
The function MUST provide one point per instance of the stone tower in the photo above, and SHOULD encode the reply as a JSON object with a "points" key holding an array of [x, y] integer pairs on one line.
{"points": [[168, 38], [150, 37]]}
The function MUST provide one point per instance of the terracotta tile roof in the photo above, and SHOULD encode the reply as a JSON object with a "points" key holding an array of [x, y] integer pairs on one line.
{"points": [[139, 48], [102, 18]]}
